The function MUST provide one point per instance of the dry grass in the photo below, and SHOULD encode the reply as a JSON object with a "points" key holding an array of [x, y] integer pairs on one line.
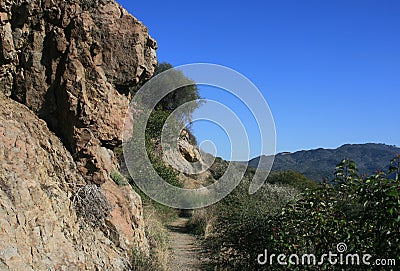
{"points": [[158, 237], [202, 220], [91, 205]]}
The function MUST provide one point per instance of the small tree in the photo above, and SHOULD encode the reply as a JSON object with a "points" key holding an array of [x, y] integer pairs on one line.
{"points": [[179, 96]]}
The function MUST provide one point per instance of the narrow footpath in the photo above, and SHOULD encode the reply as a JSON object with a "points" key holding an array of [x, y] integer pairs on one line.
{"points": [[187, 253]]}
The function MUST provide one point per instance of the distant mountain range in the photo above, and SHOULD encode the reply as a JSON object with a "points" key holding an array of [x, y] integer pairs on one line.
{"points": [[320, 163]]}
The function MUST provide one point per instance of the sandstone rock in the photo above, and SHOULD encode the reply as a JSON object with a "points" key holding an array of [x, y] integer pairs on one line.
{"points": [[39, 229], [125, 218], [189, 152], [6, 79], [185, 156], [68, 66], [72, 63], [7, 53], [3, 17]]}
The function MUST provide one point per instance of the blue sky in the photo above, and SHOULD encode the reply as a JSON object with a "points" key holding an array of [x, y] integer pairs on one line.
{"points": [[329, 70]]}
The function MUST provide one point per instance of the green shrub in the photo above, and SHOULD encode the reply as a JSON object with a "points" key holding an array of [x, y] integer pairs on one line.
{"points": [[156, 216], [218, 168], [118, 178], [291, 178], [118, 152], [155, 124], [179, 96], [237, 218], [362, 212], [201, 221]]}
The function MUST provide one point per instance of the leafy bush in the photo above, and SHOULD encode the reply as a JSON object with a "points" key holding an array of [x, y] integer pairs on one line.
{"points": [[153, 139], [362, 212], [201, 222], [218, 168], [179, 96], [154, 150], [155, 124], [167, 173], [236, 218], [291, 178], [143, 262]]}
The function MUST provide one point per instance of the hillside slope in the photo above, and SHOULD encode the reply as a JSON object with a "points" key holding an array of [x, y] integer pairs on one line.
{"points": [[320, 163]]}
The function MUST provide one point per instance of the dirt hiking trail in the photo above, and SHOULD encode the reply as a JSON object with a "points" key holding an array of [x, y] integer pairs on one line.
{"points": [[187, 253]]}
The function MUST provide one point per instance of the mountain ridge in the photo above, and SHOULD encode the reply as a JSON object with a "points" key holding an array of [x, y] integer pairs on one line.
{"points": [[318, 164]]}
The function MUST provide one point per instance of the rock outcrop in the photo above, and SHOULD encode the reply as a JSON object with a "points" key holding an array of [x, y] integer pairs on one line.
{"points": [[65, 72], [39, 229], [189, 160], [72, 63]]}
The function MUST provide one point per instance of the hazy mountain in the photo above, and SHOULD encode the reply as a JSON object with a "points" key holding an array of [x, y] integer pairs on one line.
{"points": [[320, 163]]}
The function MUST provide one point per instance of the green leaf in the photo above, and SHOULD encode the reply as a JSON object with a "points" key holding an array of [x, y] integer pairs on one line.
{"points": [[393, 193]]}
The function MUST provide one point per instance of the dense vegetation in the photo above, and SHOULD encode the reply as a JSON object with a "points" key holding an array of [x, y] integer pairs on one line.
{"points": [[362, 212], [162, 111]]}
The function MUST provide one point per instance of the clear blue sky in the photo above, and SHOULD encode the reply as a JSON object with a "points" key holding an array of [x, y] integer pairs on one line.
{"points": [[329, 70]]}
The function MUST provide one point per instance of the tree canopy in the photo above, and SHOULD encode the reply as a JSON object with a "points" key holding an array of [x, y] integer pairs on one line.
{"points": [[176, 98], [179, 96]]}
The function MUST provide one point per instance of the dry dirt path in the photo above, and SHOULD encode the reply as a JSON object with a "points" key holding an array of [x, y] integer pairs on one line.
{"points": [[187, 253]]}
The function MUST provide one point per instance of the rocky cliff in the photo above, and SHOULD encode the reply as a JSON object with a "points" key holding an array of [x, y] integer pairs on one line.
{"points": [[65, 71]]}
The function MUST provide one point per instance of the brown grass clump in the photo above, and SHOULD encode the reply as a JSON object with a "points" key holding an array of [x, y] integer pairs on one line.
{"points": [[91, 204]]}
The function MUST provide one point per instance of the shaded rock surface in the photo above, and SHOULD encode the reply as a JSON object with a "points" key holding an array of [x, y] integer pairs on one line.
{"points": [[65, 72]]}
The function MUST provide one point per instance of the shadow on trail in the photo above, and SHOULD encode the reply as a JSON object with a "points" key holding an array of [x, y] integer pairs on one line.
{"points": [[178, 229]]}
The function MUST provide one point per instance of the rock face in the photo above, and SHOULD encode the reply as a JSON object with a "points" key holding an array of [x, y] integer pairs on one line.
{"points": [[65, 71], [39, 229], [189, 160], [72, 63]]}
